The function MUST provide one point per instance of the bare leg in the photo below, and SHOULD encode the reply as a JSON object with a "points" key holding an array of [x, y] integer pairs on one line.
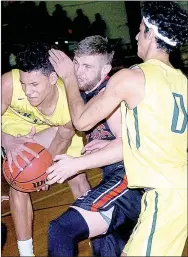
{"points": [[22, 214], [72, 227], [46, 136], [79, 185], [20, 203], [99, 227]]}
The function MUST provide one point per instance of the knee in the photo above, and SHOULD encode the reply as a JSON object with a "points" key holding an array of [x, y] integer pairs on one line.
{"points": [[17, 197], [63, 222], [65, 233], [57, 225], [71, 224]]}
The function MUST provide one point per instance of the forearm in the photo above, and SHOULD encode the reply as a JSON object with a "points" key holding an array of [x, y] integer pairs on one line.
{"points": [[110, 154], [59, 146], [76, 103], [86, 116], [4, 138]]}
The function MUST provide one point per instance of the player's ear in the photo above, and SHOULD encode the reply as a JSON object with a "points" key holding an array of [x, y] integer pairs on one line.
{"points": [[106, 69], [53, 78], [150, 34]]}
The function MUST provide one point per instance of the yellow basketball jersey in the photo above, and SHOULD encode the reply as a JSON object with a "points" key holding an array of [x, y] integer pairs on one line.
{"points": [[155, 132], [21, 115]]}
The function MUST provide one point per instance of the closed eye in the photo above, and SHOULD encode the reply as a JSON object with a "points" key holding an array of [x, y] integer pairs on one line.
{"points": [[88, 66], [22, 83]]}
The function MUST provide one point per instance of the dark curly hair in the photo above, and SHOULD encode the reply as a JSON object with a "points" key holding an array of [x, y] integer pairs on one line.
{"points": [[171, 20], [35, 57], [95, 45]]}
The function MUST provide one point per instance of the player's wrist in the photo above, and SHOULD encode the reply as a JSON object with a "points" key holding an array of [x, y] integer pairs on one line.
{"points": [[79, 163], [70, 80], [5, 139]]}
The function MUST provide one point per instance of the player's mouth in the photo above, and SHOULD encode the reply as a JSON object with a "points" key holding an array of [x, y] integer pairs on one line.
{"points": [[80, 80], [31, 99]]}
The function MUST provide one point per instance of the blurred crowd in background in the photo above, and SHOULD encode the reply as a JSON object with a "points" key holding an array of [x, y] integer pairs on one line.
{"points": [[26, 21]]}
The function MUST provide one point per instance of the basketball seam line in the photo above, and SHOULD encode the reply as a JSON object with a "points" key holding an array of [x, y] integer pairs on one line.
{"points": [[22, 182], [27, 165]]}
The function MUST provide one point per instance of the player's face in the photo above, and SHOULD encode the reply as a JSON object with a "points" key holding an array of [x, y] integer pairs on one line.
{"points": [[142, 42], [88, 69], [36, 86]]}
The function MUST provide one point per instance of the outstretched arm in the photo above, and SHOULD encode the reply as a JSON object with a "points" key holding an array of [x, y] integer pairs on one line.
{"points": [[68, 166], [126, 85]]}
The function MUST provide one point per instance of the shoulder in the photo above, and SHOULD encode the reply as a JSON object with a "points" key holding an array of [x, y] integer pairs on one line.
{"points": [[128, 85], [7, 78], [11, 76], [133, 71], [127, 79], [7, 89], [7, 83], [128, 74]]}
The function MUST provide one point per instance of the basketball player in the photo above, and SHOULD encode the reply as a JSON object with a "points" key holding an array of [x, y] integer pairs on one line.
{"points": [[153, 97], [109, 208], [35, 109]]}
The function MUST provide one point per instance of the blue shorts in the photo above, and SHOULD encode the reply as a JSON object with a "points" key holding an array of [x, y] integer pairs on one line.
{"points": [[112, 194], [124, 205]]}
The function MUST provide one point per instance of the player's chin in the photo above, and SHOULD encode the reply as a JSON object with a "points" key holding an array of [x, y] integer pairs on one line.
{"points": [[84, 88], [34, 103]]}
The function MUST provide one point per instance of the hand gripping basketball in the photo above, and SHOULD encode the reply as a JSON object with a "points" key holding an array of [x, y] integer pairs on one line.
{"points": [[33, 176]]}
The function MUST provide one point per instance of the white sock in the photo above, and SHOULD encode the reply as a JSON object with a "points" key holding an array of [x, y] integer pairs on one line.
{"points": [[25, 247]]}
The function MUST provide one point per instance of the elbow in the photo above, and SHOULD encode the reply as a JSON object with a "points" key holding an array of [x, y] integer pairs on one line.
{"points": [[81, 126]]}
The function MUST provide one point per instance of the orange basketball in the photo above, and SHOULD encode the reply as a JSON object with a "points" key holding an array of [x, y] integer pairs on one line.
{"points": [[34, 175]]}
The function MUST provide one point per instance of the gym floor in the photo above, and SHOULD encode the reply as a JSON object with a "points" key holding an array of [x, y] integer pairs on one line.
{"points": [[47, 206]]}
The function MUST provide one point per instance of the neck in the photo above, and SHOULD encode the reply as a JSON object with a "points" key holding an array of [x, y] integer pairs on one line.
{"points": [[158, 54], [47, 107]]}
